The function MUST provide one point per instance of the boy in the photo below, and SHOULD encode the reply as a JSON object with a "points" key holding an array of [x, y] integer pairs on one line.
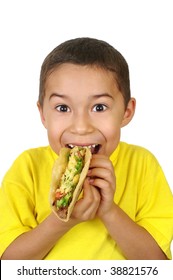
{"points": [[126, 211]]}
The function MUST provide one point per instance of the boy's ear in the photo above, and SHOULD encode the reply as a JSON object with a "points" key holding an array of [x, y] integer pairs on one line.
{"points": [[40, 108], [129, 112]]}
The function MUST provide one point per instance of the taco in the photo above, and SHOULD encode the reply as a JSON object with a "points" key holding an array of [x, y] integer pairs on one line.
{"points": [[68, 175]]}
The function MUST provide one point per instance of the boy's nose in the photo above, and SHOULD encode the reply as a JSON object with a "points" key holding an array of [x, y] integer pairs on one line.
{"points": [[81, 125]]}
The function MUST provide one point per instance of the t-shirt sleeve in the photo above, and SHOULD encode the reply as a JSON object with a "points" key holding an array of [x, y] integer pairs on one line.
{"points": [[16, 203], [155, 207]]}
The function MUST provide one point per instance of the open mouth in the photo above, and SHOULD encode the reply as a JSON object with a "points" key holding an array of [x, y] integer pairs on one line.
{"points": [[93, 147]]}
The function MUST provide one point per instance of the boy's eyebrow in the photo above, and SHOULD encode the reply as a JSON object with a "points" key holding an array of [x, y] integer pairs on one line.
{"points": [[95, 96], [105, 94], [57, 95]]}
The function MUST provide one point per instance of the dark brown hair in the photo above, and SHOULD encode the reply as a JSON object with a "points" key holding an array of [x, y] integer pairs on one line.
{"points": [[87, 51]]}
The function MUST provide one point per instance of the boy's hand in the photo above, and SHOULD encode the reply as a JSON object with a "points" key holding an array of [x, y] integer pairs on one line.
{"points": [[98, 191], [102, 177]]}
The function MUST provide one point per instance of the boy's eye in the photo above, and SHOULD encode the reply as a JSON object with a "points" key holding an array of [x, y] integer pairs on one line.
{"points": [[99, 108], [63, 108]]}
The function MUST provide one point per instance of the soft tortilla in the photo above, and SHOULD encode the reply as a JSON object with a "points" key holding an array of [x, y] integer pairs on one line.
{"points": [[57, 172]]}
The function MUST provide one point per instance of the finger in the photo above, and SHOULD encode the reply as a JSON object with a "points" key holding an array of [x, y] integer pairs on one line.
{"points": [[94, 201], [103, 169], [107, 194], [104, 186], [91, 195], [87, 206], [100, 161], [103, 173]]}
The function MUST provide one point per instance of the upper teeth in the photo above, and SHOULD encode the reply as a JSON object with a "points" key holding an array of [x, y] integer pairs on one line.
{"points": [[90, 146]]}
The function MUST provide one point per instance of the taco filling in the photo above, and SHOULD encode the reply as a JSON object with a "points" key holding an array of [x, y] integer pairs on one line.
{"points": [[70, 179]]}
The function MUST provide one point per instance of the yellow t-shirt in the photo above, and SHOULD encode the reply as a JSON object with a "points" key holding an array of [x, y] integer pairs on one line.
{"points": [[141, 191]]}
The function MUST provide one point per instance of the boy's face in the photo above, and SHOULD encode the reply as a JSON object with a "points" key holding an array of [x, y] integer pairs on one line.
{"points": [[83, 106]]}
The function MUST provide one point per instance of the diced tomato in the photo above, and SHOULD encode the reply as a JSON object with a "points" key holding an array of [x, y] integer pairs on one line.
{"points": [[58, 195]]}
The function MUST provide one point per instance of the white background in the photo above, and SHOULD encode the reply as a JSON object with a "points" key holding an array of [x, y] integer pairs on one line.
{"points": [[141, 30]]}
